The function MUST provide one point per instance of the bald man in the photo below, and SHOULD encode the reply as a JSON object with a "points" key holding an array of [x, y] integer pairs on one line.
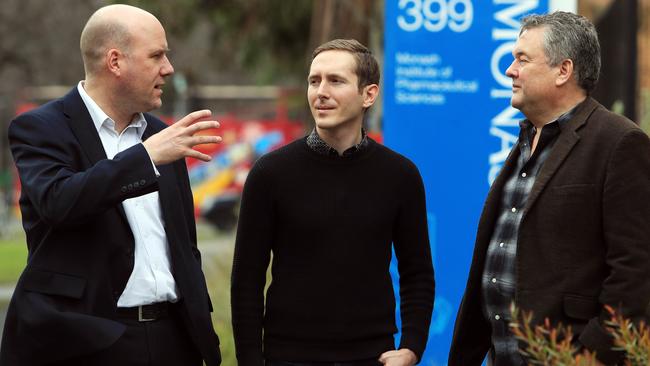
{"points": [[114, 274]]}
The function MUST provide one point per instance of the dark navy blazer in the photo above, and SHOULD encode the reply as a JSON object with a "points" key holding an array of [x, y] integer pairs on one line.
{"points": [[80, 243]]}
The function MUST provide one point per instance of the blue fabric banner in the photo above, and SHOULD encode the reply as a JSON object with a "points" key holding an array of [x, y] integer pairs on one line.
{"points": [[447, 108]]}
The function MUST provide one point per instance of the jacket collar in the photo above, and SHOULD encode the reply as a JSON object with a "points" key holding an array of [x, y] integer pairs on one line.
{"points": [[568, 138], [81, 124]]}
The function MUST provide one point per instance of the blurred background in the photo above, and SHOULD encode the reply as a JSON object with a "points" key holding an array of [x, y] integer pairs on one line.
{"points": [[247, 61]]}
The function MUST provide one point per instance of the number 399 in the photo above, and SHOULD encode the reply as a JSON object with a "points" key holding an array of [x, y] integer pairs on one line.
{"points": [[435, 15]]}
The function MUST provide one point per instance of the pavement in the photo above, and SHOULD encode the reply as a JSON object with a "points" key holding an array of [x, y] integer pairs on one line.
{"points": [[5, 292], [5, 296]]}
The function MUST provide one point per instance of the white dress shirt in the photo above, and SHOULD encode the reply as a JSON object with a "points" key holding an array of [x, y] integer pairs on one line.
{"points": [[151, 280]]}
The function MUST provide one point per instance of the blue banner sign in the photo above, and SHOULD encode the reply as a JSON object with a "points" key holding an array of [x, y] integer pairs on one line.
{"points": [[447, 108]]}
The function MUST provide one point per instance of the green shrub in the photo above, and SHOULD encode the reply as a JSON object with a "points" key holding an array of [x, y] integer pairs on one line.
{"points": [[548, 345]]}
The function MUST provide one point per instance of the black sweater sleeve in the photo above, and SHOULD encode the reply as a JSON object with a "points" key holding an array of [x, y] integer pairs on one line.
{"points": [[417, 285], [251, 259]]}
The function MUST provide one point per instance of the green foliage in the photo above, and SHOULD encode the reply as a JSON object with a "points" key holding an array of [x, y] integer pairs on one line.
{"points": [[178, 15], [268, 38], [263, 39], [548, 345], [635, 341]]}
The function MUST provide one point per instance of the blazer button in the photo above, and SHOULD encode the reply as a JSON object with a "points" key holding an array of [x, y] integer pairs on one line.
{"points": [[130, 187], [136, 185], [142, 182], [123, 189]]}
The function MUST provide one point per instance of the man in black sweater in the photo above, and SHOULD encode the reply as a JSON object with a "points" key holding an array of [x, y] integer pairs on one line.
{"points": [[330, 207]]}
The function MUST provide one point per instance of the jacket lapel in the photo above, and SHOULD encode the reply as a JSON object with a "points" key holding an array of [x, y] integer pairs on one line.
{"points": [[491, 207], [166, 189], [566, 141], [83, 128]]}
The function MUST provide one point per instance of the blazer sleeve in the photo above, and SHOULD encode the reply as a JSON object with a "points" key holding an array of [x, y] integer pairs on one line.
{"points": [[625, 213], [59, 181]]}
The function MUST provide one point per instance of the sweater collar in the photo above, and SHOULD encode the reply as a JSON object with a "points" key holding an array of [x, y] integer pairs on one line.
{"points": [[317, 144]]}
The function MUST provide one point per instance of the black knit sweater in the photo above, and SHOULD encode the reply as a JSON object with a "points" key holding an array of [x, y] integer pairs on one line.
{"points": [[330, 223]]}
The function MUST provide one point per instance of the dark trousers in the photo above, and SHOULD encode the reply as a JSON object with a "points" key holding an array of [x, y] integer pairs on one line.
{"points": [[369, 362], [163, 342]]}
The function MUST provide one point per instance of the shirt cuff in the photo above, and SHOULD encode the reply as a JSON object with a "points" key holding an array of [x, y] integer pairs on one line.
{"points": [[155, 170]]}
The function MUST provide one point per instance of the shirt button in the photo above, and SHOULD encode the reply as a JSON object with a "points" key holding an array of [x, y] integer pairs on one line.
{"points": [[501, 245], [523, 175], [497, 317], [494, 280], [513, 209]]}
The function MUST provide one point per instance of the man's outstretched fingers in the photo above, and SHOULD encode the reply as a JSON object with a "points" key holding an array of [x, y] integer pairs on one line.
{"points": [[194, 117], [203, 125], [201, 140], [199, 155]]}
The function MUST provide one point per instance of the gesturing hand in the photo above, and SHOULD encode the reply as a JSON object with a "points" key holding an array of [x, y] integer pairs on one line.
{"points": [[177, 141], [402, 357]]}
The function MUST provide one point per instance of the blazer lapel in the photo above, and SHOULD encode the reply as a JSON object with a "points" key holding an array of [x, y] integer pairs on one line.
{"points": [[149, 130], [83, 128], [493, 202], [563, 146], [166, 187]]}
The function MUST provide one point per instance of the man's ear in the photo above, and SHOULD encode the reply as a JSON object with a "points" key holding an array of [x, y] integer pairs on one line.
{"points": [[370, 93], [113, 61], [565, 72]]}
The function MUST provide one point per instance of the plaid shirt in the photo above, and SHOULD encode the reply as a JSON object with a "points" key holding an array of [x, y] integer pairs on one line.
{"points": [[499, 276], [317, 144]]}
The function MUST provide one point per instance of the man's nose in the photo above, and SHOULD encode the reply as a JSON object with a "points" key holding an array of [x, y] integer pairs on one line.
{"points": [[511, 71], [323, 90], [167, 68]]}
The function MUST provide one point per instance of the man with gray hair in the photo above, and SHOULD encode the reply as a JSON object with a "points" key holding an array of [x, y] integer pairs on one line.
{"points": [[114, 274], [564, 230]]}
